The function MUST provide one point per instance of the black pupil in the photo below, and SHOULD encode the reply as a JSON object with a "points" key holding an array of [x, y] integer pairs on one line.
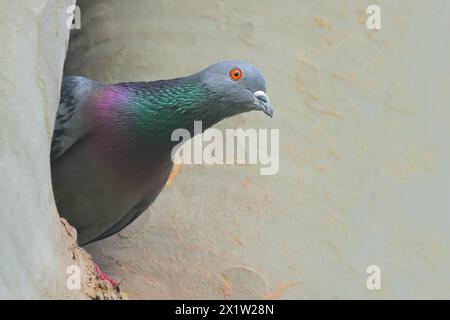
{"points": [[236, 74]]}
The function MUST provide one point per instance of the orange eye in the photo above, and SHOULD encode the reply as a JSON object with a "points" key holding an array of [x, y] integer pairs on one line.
{"points": [[236, 74]]}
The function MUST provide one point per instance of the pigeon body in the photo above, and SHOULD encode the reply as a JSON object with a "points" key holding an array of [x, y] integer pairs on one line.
{"points": [[111, 146]]}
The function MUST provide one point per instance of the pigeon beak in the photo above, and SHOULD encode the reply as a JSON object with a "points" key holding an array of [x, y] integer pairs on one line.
{"points": [[263, 103]]}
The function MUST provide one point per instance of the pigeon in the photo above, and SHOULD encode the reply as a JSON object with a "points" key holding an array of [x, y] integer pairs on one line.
{"points": [[111, 146]]}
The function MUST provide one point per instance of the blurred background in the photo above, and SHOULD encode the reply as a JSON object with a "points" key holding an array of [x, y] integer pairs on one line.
{"points": [[364, 159], [364, 174]]}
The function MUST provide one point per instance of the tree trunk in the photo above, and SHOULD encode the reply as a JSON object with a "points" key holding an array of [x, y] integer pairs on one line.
{"points": [[36, 249]]}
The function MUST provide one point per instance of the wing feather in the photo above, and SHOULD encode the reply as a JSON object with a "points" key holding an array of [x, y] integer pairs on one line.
{"points": [[70, 125]]}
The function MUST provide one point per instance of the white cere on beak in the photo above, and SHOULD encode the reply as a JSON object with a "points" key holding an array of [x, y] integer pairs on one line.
{"points": [[263, 102], [261, 95]]}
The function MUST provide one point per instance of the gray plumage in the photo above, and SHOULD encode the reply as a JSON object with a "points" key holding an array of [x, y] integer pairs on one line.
{"points": [[112, 144]]}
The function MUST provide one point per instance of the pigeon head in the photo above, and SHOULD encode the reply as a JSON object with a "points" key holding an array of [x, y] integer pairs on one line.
{"points": [[237, 87]]}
